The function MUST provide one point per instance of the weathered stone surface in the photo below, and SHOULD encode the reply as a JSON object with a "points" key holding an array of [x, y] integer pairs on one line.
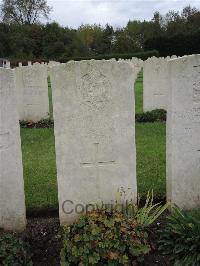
{"points": [[32, 89], [8, 64], [36, 64], [12, 202], [138, 64], [135, 63], [173, 57], [53, 63], [183, 132], [94, 133], [155, 84]]}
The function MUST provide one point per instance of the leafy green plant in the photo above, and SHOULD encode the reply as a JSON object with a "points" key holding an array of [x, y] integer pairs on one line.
{"points": [[104, 238], [149, 213], [14, 252], [180, 238], [114, 237]]}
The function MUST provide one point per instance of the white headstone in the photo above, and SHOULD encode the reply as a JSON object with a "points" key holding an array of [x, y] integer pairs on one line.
{"points": [[173, 57], [183, 132], [138, 64], [12, 201], [155, 81], [20, 64], [7, 64], [32, 89], [53, 63], [29, 63], [94, 133], [36, 64]]}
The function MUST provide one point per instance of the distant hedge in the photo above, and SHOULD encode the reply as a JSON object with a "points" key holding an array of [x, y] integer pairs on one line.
{"points": [[179, 44], [158, 115], [141, 55]]}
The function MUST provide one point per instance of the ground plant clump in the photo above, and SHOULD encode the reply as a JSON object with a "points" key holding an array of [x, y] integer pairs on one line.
{"points": [[101, 237], [180, 238], [111, 237], [14, 252]]}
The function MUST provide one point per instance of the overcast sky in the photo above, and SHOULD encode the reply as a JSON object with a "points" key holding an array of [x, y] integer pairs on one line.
{"points": [[73, 13]]}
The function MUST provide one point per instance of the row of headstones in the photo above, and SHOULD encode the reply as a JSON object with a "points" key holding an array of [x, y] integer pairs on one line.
{"points": [[155, 94], [50, 63], [32, 88], [95, 138], [4, 63]]}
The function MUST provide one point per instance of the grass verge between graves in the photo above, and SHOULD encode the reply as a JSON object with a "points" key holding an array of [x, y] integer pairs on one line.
{"points": [[139, 94], [40, 168], [38, 150]]}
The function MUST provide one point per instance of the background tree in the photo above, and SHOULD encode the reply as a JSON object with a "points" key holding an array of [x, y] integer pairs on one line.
{"points": [[24, 11], [171, 33]]}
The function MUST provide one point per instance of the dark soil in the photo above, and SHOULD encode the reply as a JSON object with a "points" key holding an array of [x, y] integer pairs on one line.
{"points": [[45, 240], [155, 258]]}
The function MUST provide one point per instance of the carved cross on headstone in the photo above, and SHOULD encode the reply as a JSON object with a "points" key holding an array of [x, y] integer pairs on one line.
{"points": [[159, 94], [198, 152], [96, 163], [4, 141], [197, 68]]}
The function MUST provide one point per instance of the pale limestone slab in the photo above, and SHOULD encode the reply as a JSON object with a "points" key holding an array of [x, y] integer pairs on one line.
{"points": [[94, 133], [155, 84], [32, 90], [12, 201], [138, 64], [8, 64], [135, 63], [53, 63], [183, 132]]}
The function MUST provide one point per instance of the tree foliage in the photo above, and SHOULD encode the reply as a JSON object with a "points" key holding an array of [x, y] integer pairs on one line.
{"points": [[24, 11], [173, 33]]}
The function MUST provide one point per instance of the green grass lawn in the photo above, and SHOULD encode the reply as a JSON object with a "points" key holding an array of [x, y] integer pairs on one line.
{"points": [[151, 158], [38, 151], [139, 94], [40, 168]]}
